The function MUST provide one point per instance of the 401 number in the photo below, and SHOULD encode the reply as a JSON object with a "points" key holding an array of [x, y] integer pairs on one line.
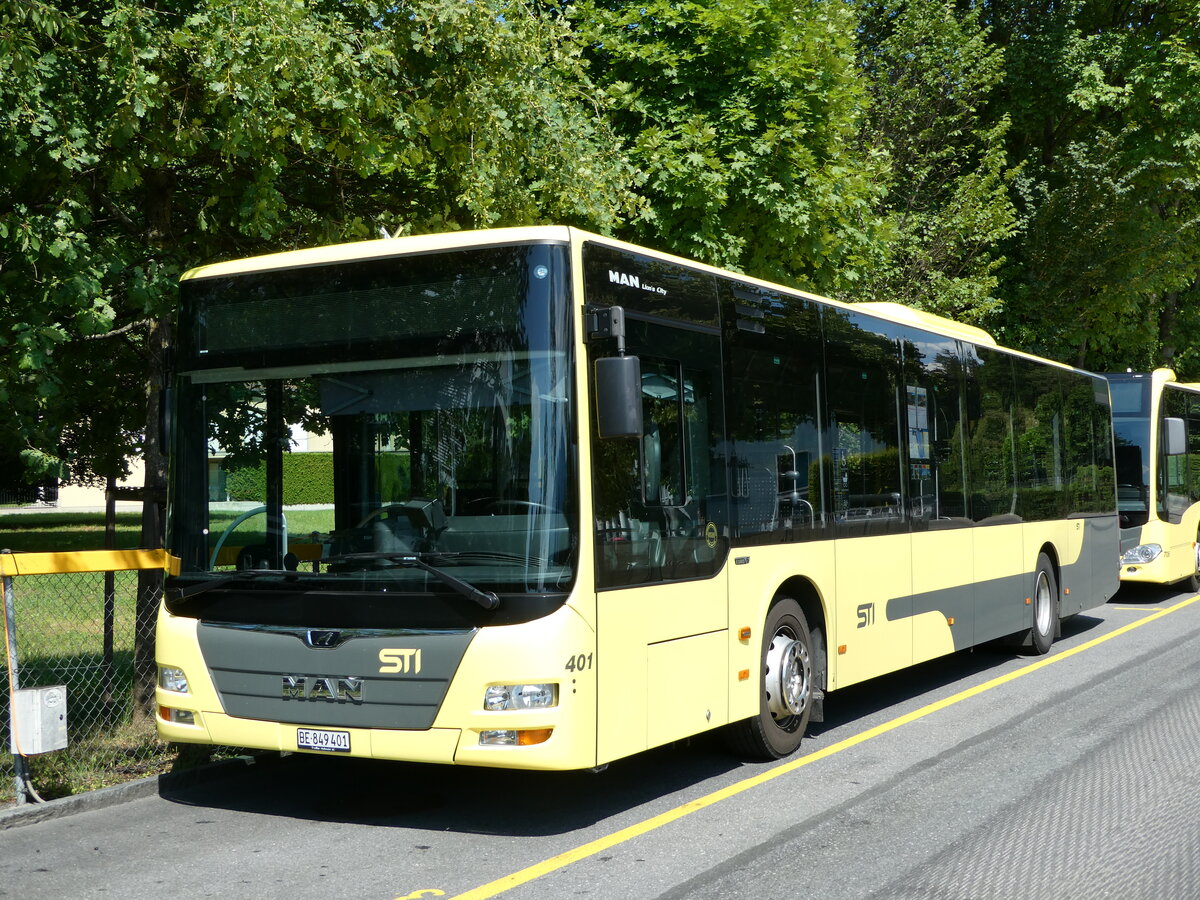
{"points": [[579, 662]]}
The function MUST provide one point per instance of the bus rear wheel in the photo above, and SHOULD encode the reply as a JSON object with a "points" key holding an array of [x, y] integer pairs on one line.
{"points": [[787, 687], [1045, 606]]}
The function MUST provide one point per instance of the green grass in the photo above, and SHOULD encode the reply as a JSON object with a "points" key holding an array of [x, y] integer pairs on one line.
{"points": [[126, 752], [50, 532], [45, 532], [300, 522]]}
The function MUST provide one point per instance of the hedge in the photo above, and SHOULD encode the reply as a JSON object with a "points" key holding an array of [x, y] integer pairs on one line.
{"points": [[308, 479]]}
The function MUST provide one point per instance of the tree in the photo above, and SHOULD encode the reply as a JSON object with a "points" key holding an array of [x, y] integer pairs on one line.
{"points": [[933, 75], [141, 139], [741, 118], [1105, 103], [147, 138]]}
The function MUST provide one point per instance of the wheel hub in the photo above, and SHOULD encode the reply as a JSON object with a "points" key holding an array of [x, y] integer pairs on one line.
{"points": [[1044, 608], [788, 676]]}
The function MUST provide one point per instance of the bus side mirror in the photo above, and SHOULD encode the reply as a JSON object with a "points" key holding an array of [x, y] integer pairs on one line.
{"points": [[1174, 436], [619, 397]]}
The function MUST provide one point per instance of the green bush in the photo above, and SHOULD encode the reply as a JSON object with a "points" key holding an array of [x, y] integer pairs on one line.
{"points": [[307, 478], [394, 481], [246, 482]]}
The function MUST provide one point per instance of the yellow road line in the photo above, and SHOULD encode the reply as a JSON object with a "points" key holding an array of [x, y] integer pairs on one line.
{"points": [[562, 860], [1138, 608]]}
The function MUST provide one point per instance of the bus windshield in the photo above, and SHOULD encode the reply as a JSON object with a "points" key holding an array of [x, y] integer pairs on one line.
{"points": [[429, 434], [1131, 434]]}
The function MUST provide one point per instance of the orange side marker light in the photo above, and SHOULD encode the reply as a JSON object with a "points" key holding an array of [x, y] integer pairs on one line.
{"points": [[533, 736]]}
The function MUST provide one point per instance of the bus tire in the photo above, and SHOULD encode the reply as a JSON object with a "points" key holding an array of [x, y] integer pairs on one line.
{"points": [[788, 673], [1045, 606]]}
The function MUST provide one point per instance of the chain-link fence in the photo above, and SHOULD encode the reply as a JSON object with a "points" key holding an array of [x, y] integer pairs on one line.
{"points": [[93, 633]]}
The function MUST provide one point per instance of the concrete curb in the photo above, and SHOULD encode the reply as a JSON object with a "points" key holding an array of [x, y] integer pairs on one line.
{"points": [[33, 813]]}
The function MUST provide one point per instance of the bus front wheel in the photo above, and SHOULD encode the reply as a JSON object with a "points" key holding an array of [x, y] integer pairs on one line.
{"points": [[787, 687]]}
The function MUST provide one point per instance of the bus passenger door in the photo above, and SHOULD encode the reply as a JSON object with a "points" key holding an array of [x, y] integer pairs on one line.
{"points": [[662, 618]]}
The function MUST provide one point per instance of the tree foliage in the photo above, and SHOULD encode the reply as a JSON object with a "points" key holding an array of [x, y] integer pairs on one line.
{"points": [[142, 139], [1032, 168], [933, 76], [741, 118], [1105, 100]]}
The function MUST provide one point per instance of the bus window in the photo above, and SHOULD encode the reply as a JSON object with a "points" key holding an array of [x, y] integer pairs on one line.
{"points": [[992, 486], [867, 492], [1178, 418], [775, 357], [663, 402], [933, 393]]}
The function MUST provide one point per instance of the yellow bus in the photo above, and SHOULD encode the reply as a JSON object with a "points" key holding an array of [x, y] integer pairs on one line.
{"points": [[1156, 422], [536, 498]]}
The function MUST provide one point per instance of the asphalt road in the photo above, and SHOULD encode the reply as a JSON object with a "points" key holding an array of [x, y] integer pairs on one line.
{"points": [[984, 775]]}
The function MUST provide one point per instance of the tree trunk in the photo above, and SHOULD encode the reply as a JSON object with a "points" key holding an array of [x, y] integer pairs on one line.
{"points": [[1166, 328], [150, 582]]}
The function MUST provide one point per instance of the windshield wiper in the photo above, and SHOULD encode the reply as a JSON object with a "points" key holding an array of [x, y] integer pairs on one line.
{"points": [[485, 556], [486, 599], [240, 575]]}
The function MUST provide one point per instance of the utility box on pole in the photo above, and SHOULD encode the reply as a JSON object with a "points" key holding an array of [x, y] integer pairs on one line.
{"points": [[39, 722]]}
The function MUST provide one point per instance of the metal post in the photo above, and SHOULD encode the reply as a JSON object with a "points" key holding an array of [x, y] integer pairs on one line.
{"points": [[21, 771], [110, 595]]}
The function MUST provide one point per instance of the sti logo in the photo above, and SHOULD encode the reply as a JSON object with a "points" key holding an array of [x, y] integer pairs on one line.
{"points": [[403, 662]]}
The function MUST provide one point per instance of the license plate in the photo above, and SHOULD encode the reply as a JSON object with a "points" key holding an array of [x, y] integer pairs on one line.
{"points": [[327, 741]]}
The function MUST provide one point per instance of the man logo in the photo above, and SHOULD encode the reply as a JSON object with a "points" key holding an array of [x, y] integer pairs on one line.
{"points": [[623, 279], [316, 687], [404, 662], [323, 639]]}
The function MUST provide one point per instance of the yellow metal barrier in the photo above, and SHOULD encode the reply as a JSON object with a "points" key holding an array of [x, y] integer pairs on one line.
{"points": [[14, 564]]}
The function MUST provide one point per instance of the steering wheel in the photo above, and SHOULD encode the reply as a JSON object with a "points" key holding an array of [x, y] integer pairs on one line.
{"points": [[519, 506], [382, 511], [258, 510]]}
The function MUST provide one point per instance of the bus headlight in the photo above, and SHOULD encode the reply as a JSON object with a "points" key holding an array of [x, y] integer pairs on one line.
{"points": [[172, 679], [520, 696], [1141, 554]]}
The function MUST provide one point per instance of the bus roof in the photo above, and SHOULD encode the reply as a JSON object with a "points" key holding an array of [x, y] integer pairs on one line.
{"points": [[375, 249], [383, 247]]}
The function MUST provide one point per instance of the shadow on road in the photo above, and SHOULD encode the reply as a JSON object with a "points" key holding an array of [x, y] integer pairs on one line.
{"points": [[1149, 594], [503, 802], [452, 798]]}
